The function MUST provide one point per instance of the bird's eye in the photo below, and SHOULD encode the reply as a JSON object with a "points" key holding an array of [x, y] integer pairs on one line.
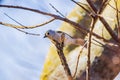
{"points": [[48, 33]]}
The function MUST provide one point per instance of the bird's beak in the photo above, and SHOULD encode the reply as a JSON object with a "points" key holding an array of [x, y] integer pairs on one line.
{"points": [[45, 36]]}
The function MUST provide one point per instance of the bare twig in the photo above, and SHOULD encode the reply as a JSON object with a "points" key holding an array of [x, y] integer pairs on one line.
{"points": [[107, 26], [81, 6], [78, 59], [82, 3], [117, 15], [90, 12], [105, 45], [27, 27], [21, 25], [113, 7], [27, 32], [117, 18], [57, 10], [14, 20], [76, 25], [92, 6], [11, 25], [89, 49], [102, 7]]}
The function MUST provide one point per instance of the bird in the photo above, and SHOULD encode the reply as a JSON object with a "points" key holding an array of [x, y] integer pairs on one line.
{"points": [[52, 61], [67, 39]]}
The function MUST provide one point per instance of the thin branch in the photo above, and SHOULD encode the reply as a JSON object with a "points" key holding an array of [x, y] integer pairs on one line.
{"points": [[27, 32], [117, 15], [27, 27], [82, 3], [89, 49], [14, 20], [90, 13], [107, 26], [92, 6], [113, 7], [117, 18], [105, 45], [11, 25], [81, 6], [57, 10], [21, 25], [78, 59], [75, 25], [102, 7]]}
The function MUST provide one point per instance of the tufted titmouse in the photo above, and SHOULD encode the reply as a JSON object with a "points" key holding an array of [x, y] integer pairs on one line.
{"points": [[57, 36]]}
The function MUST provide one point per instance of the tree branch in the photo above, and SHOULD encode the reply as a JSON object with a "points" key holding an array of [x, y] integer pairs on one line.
{"points": [[92, 6], [107, 26], [27, 27], [75, 25], [81, 6], [117, 18], [27, 32], [59, 47], [57, 10], [78, 59], [89, 49], [102, 7], [21, 25], [113, 7]]}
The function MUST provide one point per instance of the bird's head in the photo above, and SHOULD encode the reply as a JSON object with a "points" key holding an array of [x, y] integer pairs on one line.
{"points": [[50, 34]]}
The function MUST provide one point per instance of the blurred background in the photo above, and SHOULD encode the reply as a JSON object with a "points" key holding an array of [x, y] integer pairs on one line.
{"points": [[22, 56]]}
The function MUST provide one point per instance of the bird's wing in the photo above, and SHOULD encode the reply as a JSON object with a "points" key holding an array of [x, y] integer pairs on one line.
{"points": [[64, 33]]}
